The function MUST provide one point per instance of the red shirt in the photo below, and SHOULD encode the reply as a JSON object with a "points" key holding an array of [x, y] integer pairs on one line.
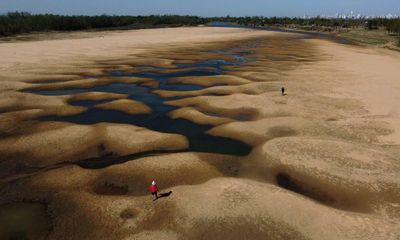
{"points": [[153, 188]]}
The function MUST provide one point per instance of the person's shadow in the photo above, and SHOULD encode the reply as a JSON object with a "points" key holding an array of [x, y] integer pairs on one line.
{"points": [[162, 195]]}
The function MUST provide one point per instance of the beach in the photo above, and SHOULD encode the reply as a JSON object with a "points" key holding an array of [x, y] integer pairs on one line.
{"points": [[87, 121]]}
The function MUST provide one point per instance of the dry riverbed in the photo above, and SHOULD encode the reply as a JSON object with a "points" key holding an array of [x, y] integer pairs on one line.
{"points": [[323, 161]]}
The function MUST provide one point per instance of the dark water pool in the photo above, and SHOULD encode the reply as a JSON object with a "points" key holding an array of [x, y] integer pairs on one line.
{"points": [[158, 120]]}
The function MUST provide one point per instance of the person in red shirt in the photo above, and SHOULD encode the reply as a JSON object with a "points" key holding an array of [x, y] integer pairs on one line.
{"points": [[154, 190]]}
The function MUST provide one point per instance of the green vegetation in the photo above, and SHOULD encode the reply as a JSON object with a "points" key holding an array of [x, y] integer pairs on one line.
{"points": [[365, 36], [355, 29], [378, 31], [20, 22], [317, 23]]}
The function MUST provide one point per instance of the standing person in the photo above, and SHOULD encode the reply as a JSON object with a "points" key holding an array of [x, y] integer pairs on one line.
{"points": [[154, 190], [283, 91]]}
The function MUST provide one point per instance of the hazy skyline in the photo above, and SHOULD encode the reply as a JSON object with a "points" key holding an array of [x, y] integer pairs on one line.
{"points": [[203, 8]]}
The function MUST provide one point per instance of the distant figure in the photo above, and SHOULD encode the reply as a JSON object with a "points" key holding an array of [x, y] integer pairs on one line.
{"points": [[283, 91], [154, 190]]}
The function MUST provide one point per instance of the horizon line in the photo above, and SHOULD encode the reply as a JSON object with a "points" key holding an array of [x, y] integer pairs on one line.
{"points": [[351, 13]]}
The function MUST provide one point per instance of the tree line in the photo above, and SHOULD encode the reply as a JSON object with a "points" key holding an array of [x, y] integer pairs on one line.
{"points": [[318, 23], [21, 22], [392, 25]]}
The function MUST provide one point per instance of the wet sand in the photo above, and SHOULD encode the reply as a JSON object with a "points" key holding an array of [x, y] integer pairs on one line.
{"points": [[325, 158]]}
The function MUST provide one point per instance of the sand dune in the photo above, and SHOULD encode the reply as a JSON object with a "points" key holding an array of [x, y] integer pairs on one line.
{"points": [[125, 105]]}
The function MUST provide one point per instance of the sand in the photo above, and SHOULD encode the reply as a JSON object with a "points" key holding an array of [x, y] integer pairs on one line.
{"points": [[325, 158], [370, 76], [21, 58], [196, 116], [125, 105]]}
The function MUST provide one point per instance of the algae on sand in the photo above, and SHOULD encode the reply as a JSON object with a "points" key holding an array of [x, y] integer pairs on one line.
{"points": [[24, 221]]}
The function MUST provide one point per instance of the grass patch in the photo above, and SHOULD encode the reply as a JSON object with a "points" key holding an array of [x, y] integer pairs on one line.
{"points": [[368, 37]]}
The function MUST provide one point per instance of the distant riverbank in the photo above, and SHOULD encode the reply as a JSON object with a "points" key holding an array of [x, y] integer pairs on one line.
{"points": [[19, 25]]}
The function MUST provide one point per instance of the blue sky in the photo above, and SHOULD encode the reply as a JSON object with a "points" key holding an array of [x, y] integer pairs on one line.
{"points": [[204, 7]]}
